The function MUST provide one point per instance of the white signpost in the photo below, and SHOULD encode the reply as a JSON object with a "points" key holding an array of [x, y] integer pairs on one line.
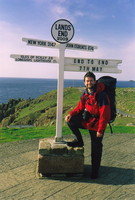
{"points": [[63, 31]]}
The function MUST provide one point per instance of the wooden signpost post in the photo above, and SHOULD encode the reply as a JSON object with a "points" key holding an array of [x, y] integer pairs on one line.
{"points": [[63, 31]]}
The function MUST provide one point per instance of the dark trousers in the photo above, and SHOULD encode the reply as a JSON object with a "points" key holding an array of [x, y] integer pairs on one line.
{"points": [[75, 124]]}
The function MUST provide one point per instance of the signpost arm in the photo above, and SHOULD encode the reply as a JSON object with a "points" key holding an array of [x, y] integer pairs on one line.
{"points": [[58, 137]]}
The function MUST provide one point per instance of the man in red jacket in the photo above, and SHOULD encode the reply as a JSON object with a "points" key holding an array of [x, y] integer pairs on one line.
{"points": [[92, 113]]}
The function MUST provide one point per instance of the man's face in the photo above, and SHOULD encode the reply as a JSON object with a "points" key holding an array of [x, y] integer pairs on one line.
{"points": [[89, 82]]}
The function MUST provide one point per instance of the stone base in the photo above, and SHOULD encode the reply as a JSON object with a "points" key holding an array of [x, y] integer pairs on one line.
{"points": [[55, 158]]}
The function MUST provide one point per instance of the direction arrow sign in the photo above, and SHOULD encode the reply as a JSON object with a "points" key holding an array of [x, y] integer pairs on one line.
{"points": [[51, 44], [41, 43], [100, 69], [81, 47], [91, 62], [33, 58]]}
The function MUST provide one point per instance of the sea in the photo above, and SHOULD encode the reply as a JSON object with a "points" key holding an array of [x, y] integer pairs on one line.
{"points": [[14, 88]]}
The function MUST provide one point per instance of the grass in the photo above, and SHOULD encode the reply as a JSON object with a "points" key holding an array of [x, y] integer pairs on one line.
{"points": [[126, 99], [42, 112], [17, 134]]}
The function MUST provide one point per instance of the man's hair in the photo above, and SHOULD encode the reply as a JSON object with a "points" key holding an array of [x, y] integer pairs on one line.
{"points": [[90, 74]]}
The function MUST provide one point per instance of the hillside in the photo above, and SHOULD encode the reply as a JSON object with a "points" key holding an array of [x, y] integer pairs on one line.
{"points": [[42, 110]]}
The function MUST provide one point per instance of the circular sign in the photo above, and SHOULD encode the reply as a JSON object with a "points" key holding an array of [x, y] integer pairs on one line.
{"points": [[62, 31]]}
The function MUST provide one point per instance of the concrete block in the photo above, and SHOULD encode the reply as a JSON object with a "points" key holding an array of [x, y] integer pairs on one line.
{"points": [[59, 158], [44, 147], [59, 149], [60, 164]]}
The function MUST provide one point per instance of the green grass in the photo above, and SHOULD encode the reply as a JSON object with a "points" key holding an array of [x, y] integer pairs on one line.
{"points": [[17, 134], [123, 121], [41, 112], [125, 98]]}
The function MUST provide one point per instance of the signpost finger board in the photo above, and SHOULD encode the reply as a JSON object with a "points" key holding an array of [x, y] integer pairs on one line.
{"points": [[35, 58]]}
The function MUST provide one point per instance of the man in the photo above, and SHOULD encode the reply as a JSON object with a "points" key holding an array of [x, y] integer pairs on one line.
{"points": [[92, 113]]}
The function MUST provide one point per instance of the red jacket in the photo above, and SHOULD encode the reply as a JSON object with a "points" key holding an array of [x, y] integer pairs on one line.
{"points": [[97, 104]]}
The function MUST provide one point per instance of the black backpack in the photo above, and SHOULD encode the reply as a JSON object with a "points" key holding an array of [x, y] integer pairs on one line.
{"points": [[110, 89]]}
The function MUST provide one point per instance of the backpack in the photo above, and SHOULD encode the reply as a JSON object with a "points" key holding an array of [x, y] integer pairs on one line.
{"points": [[110, 87]]}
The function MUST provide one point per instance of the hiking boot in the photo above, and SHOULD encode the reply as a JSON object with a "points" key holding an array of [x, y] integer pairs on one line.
{"points": [[75, 144]]}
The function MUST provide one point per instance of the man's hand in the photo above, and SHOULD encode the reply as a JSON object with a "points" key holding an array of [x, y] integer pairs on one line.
{"points": [[99, 134], [67, 118]]}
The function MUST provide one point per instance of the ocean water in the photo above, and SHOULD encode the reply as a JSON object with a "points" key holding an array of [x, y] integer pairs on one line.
{"points": [[14, 88]]}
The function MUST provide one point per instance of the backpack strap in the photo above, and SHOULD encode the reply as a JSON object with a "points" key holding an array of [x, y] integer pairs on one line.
{"points": [[110, 127]]}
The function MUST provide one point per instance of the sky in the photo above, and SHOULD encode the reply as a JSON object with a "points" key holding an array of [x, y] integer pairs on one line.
{"points": [[108, 24]]}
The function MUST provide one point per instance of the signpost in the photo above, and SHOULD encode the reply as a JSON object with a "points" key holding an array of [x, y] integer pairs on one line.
{"points": [[63, 31], [58, 137]]}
